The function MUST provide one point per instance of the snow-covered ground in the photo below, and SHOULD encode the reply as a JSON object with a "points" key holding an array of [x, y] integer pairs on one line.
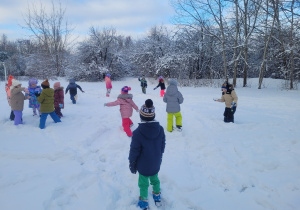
{"points": [[82, 163]]}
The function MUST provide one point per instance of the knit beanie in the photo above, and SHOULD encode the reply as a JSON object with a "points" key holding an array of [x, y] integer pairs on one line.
{"points": [[45, 84], [32, 81], [108, 75], [56, 85], [15, 82], [125, 90], [147, 111]]}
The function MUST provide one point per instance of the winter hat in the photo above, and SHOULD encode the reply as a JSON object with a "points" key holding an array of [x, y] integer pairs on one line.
{"points": [[224, 86], [125, 90], [108, 75], [15, 82], [147, 111], [9, 82], [32, 81], [56, 85], [45, 84]]}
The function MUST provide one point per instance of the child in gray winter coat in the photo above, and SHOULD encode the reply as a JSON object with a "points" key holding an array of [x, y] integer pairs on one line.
{"points": [[173, 98]]}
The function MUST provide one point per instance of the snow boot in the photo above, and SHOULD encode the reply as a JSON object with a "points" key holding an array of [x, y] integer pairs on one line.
{"points": [[179, 128], [143, 204], [156, 198]]}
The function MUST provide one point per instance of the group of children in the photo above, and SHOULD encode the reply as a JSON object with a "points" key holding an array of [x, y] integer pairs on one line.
{"points": [[42, 99], [147, 140]]}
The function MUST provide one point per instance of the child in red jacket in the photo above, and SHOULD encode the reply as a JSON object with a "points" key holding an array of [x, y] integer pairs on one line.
{"points": [[126, 104]]}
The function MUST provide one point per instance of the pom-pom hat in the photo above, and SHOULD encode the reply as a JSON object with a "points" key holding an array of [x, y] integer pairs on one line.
{"points": [[147, 111], [15, 82], [125, 90], [45, 84]]}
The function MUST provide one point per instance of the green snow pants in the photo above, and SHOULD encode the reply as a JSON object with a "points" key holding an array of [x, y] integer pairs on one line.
{"points": [[170, 120], [144, 184]]}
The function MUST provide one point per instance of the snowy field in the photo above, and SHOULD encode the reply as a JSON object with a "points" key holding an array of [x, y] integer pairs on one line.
{"points": [[82, 163]]}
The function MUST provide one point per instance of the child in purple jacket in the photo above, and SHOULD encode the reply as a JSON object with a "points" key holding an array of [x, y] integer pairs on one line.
{"points": [[126, 104], [33, 88], [58, 99]]}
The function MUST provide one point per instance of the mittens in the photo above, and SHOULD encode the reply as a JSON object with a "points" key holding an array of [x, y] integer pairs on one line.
{"points": [[132, 167]]}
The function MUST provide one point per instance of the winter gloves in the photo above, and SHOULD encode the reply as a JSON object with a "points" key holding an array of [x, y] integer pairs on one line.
{"points": [[60, 106], [105, 104], [132, 167], [37, 94], [154, 88], [233, 104]]}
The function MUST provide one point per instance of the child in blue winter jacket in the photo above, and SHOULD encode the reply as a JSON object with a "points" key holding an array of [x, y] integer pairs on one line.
{"points": [[73, 90], [33, 88], [146, 151]]}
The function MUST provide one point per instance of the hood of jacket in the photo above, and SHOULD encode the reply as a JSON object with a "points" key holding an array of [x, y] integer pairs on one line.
{"points": [[125, 96], [72, 81], [172, 89], [149, 130], [48, 92]]}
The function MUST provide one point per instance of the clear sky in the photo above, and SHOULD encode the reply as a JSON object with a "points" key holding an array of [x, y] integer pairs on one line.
{"points": [[128, 17]]}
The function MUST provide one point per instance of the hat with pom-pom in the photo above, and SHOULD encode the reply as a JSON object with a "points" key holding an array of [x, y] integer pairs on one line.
{"points": [[45, 84], [56, 85], [147, 111], [125, 90], [15, 82]]}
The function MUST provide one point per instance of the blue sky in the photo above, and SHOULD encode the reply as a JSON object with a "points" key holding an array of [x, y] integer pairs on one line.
{"points": [[128, 17]]}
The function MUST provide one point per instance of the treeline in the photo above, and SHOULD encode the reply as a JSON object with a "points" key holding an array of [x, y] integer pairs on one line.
{"points": [[209, 40]]}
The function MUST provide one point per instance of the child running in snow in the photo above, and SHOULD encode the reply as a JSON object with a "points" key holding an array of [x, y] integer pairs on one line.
{"points": [[46, 99], [108, 85], [230, 98], [17, 100], [126, 104], [58, 99], [173, 98], [32, 89], [146, 152], [73, 90], [7, 89], [143, 84], [162, 86]]}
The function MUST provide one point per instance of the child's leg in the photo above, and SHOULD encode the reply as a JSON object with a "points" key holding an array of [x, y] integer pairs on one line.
{"points": [[18, 117], [12, 115], [108, 92], [162, 93], [73, 99], [170, 122], [231, 114], [38, 108], [126, 126], [43, 120], [55, 117], [154, 181], [226, 114], [34, 110], [178, 119], [58, 112], [143, 185]]}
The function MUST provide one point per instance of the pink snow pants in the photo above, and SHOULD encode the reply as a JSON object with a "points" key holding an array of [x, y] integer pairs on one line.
{"points": [[126, 122]]}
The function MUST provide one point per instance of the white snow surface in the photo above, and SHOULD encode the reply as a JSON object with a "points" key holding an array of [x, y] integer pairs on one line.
{"points": [[82, 162]]}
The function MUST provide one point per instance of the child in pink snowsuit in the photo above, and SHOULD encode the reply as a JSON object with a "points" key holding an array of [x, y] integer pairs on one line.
{"points": [[126, 104], [108, 85]]}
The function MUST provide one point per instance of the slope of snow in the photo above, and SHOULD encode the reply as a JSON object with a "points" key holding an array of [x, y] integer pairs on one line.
{"points": [[82, 163]]}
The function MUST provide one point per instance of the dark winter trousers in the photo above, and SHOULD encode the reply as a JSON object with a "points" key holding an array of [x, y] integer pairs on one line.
{"points": [[229, 114], [58, 112], [18, 117], [144, 90], [12, 115], [44, 117], [72, 97]]}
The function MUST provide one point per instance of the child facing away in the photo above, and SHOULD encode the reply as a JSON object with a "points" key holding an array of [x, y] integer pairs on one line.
{"points": [[32, 89], [73, 90], [162, 86], [58, 99], [173, 98], [7, 89], [17, 100], [143, 84], [146, 152], [108, 85], [230, 98], [46, 99], [126, 104]]}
